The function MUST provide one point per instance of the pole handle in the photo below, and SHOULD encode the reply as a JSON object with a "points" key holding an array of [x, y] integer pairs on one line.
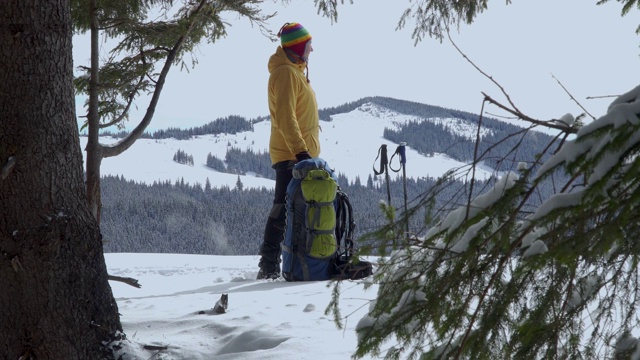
{"points": [[400, 150]]}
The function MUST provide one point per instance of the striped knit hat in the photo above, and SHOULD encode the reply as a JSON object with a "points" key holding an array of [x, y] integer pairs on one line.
{"points": [[295, 37]]}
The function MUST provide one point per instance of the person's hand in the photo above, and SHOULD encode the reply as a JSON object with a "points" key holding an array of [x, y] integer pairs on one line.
{"points": [[303, 156]]}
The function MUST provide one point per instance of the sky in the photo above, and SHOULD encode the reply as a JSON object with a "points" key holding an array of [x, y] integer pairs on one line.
{"points": [[265, 319], [590, 49]]}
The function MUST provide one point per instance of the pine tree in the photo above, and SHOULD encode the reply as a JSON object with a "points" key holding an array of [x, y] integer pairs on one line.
{"points": [[152, 36], [239, 185]]}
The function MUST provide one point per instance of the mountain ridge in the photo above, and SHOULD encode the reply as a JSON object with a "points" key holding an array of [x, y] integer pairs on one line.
{"points": [[237, 123], [380, 124]]}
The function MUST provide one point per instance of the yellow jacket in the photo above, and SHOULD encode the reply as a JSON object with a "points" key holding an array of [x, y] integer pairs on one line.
{"points": [[293, 109]]}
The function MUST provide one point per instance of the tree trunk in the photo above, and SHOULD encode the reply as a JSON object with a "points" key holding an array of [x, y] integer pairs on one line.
{"points": [[94, 149], [55, 300]]}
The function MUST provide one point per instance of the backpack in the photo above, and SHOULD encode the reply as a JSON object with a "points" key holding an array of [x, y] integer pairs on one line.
{"points": [[318, 241]]}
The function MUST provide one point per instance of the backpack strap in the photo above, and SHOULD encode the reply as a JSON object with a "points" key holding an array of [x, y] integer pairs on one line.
{"points": [[303, 265], [301, 259], [345, 226], [316, 215]]}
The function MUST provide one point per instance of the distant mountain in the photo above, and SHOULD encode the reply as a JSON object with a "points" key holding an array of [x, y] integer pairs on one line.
{"points": [[208, 189]]}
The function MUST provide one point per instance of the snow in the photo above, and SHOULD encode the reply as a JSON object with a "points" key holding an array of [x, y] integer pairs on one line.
{"points": [[623, 111], [538, 247], [349, 143], [456, 217], [567, 119], [264, 320], [463, 244]]}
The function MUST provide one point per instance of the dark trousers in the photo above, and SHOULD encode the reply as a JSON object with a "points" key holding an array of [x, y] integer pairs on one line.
{"points": [[274, 230]]}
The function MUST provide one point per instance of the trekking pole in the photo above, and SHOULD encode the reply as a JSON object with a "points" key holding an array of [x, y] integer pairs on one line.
{"points": [[384, 168], [403, 161], [401, 151]]}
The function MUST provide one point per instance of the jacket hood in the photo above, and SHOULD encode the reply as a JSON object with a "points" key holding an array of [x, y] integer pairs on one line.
{"points": [[280, 58]]}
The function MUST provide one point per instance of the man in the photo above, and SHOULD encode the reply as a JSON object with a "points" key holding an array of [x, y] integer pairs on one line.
{"points": [[294, 131]]}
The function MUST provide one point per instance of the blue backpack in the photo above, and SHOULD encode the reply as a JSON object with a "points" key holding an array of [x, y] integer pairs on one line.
{"points": [[318, 242]]}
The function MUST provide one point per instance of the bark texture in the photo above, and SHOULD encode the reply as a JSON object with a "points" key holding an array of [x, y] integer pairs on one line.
{"points": [[55, 300]]}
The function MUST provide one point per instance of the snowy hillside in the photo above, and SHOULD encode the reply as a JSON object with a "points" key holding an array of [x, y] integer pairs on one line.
{"points": [[349, 143]]}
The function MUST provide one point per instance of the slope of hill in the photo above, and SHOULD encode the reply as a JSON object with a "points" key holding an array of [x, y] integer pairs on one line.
{"points": [[152, 203], [349, 142]]}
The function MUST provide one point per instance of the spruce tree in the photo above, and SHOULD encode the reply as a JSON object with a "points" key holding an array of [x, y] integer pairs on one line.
{"points": [[495, 278], [150, 37]]}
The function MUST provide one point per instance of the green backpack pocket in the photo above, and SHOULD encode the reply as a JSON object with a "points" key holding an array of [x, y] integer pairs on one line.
{"points": [[319, 192]]}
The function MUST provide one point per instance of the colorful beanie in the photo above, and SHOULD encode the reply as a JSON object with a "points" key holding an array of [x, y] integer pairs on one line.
{"points": [[295, 37]]}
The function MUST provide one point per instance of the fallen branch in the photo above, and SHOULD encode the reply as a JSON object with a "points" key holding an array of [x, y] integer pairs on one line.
{"points": [[155, 347], [129, 281]]}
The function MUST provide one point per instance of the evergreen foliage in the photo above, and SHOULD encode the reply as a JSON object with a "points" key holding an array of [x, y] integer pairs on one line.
{"points": [[244, 161], [491, 280], [215, 163], [182, 157], [428, 138], [225, 125], [181, 218], [239, 184]]}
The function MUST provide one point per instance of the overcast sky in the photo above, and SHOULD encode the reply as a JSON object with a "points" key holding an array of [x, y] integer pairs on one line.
{"points": [[591, 49]]}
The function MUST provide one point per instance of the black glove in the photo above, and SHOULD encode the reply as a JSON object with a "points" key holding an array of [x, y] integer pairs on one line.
{"points": [[303, 156]]}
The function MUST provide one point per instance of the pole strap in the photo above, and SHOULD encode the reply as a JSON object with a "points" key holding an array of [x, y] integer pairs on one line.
{"points": [[384, 160]]}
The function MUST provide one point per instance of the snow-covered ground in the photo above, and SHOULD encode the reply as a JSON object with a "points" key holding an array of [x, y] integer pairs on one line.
{"points": [[264, 319]]}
